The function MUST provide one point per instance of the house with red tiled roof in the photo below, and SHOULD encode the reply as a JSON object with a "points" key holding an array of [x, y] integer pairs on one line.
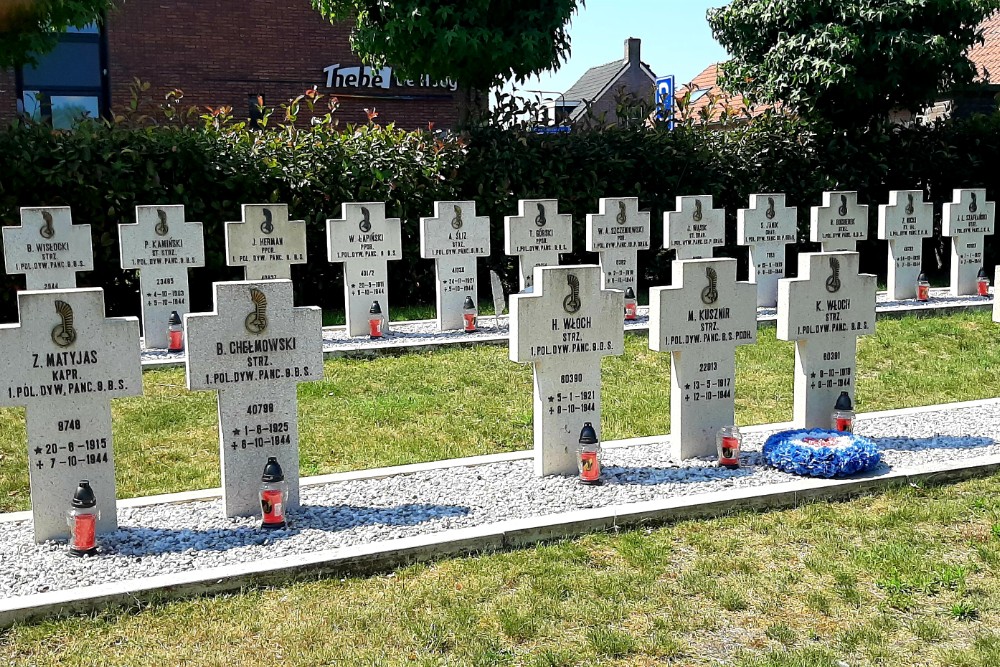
{"points": [[703, 101]]}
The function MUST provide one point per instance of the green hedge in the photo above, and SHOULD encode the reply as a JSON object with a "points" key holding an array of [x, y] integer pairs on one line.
{"points": [[104, 170]]}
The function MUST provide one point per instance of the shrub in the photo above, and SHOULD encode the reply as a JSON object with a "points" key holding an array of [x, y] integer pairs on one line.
{"points": [[104, 169]]}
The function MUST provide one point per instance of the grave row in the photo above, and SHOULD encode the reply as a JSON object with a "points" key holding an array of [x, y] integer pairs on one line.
{"points": [[162, 245], [65, 360]]}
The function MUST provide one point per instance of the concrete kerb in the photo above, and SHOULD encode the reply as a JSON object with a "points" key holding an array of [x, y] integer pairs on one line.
{"points": [[403, 346], [387, 555]]}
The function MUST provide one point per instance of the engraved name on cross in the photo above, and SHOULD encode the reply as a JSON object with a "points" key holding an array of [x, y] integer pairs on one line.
{"points": [[48, 248], [839, 223], [700, 319], [454, 238], [266, 242], [64, 362], [824, 311], [695, 228], [904, 222], [537, 235], [162, 246], [766, 228], [968, 219], [365, 241], [255, 349], [563, 329]]}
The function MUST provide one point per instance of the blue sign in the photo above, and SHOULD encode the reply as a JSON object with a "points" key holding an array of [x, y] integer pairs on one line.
{"points": [[665, 99], [551, 129]]}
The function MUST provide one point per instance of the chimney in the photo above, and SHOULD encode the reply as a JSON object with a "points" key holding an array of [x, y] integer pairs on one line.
{"points": [[632, 50]]}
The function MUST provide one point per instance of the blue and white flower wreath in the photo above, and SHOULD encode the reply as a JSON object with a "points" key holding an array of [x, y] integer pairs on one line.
{"points": [[820, 453]]}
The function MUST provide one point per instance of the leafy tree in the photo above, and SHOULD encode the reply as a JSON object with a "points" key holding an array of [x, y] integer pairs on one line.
{"points": [[478, 43], [29, 28], [848, 62]]}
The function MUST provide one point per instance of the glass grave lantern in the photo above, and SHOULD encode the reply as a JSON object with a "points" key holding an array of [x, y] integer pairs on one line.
{"points": [[82, 519], [843, 414], [273, 495]]}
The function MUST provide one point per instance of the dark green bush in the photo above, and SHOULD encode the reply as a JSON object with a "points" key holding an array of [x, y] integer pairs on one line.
{"points": [[104, 170]]}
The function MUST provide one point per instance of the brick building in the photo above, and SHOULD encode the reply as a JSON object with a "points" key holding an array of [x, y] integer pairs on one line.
{"points": [[218, 53]]}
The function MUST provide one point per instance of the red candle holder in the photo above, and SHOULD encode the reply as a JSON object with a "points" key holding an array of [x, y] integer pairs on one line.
{"points": [[843, 414], [923, 288], [82, 520], [588, 456], [273, 496], [375, 320], [175, 333], [728, 441], [469, 315], [631, 306]]}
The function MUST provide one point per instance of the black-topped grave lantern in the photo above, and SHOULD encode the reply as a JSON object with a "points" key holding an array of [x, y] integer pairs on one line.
{"points": [[82, 519], [843, 414]]}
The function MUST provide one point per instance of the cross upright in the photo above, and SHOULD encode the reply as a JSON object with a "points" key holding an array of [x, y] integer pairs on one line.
{"points": [[255, 349], [618, 231], [996, 301], [824, 311], [266, 242], [766, 228], [695, 228], [839, 223], [537, 235], [563, 329], [904, 222], [65, 361], [701, 319], [48, 248], [365, 241], [162, 246], [968, 219], [454, 238]]}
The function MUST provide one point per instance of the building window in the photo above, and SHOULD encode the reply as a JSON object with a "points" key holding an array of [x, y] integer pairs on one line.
{"points": [[68, 83]]}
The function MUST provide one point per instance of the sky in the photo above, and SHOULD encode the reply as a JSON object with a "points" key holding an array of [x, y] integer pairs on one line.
{"points": [[675, 38]]}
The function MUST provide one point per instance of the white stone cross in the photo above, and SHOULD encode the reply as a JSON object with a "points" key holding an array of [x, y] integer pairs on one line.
{"points": [[996, 301], [365, 241], [766, 228], [968, 219], [454, 238], [255, 349], [563, 329], [162, 246], [64, 362], [48, 248], [695, 228], [701, 319], [537, 235], [824, 311], [904, 222], [266, 242], [839, 223], [618, 231]]}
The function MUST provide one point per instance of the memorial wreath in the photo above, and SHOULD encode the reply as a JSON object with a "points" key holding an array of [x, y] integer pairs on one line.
{"points": [[820, 453]]}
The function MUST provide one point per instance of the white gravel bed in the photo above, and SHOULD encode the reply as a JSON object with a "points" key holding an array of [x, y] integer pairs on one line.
{"points": [[171, 538], [418, 333]]}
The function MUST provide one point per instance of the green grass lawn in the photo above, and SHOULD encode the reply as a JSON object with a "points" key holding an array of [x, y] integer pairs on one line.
{"points": [[901, 578]]}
